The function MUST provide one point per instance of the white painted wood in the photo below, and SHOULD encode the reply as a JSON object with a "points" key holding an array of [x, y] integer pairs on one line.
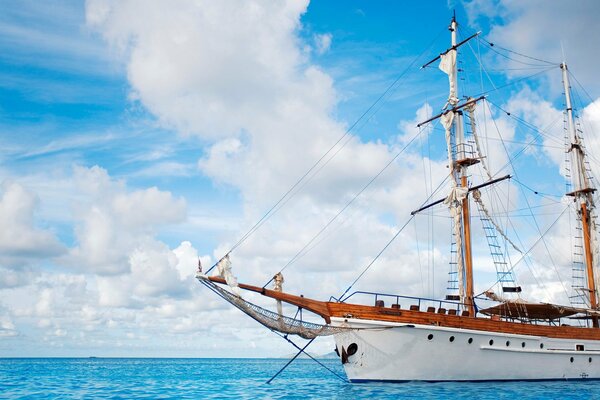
{"points": [[403, 352]]}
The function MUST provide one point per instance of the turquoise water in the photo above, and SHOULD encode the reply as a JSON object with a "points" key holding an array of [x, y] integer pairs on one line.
{"points": [[116, 378]]}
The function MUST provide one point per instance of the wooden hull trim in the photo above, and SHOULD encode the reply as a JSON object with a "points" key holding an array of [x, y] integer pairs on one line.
{"points": [[384, 314]]}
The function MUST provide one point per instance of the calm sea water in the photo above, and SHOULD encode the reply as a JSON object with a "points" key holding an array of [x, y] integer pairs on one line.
{"points": [[65, 378]]}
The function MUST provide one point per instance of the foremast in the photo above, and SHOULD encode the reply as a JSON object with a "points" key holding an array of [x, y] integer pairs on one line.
{"points": [[582, 193], [458, 160]]}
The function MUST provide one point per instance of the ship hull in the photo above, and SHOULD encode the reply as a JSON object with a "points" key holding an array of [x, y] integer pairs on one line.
{"points": [[397, 352]]}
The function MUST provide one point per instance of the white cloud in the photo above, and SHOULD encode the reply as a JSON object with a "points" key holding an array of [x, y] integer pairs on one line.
{"points": [[7, 326], [533, 28], [115, 221], [187, 259], [176, 65], [19, 238], [323, 42]]}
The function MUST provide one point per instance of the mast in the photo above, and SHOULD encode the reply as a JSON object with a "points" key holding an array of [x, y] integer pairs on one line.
{"points": [[461, 170], [459, 160], [582, 192]]}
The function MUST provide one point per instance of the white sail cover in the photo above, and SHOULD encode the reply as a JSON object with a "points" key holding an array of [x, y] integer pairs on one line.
{"points": [[595, 251], [448, 65], [224, 271], [447, 119], [455, 197], [454, 202]]}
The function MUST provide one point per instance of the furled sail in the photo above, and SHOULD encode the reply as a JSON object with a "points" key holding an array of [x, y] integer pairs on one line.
{"points": [[454, 202], [224, 271], [448, 65]]}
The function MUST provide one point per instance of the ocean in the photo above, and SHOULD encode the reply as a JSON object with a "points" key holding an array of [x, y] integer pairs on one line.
{"points": [[164, 378]]}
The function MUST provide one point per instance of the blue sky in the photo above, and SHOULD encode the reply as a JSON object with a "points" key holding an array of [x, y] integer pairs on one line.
{"points": [[136, 137]]}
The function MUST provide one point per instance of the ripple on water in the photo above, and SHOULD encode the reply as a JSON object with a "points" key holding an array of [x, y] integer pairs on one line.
{"points": [[106, 378]]}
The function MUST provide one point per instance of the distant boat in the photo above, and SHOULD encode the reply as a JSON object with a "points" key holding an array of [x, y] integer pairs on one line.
{"points": [[399, 338]]}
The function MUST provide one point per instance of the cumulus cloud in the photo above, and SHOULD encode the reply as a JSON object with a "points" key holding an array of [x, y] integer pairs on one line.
{"points": [[531, 27], [20, 239], [115, 221], [156, 273], [176, 65]]}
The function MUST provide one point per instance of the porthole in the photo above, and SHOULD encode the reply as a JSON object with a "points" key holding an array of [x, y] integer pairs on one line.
{"points": [[523, 344], [541, 345], [470, 340], [491, 342], [507, 343], [571, 359], [590, 359], [430, 336], [352, 349], [451, 338]]}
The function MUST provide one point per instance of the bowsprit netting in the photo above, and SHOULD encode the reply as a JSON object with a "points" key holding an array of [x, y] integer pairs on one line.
{"points": [[271, 319]]}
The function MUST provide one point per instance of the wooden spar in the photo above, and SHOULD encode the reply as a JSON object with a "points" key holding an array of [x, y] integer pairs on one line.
{"points": [[315, 306], [327, 310], [450, 49], [469, 301], [470, 190], [454, 109], [589, 261]]}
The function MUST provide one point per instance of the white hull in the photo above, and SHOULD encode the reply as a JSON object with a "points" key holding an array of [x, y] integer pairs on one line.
{"points": [[404, 352]]}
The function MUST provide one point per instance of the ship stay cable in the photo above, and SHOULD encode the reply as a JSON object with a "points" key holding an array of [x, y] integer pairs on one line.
{"points": [[511, 158], [300, 351], [531, 212], [348, 204], [341, 298], [592, 101], [542, 132], [515, 81], [494, 46], [482, 69], [290, 192], [588, 128], [526, 254], [495, 88]]}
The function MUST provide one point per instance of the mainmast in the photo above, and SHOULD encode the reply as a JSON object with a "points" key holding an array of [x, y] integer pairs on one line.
{"points": [[582, 192]]}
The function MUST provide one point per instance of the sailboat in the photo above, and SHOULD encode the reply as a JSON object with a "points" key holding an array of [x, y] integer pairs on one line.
{"points": [[399, 338]]}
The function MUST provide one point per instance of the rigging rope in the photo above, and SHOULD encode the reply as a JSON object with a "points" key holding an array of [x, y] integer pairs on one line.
{"points": [[288, 194], [526, 254], [531, 211], [491, 46], [373, 179], [389, 242], [477, 198], [514, 82]]}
